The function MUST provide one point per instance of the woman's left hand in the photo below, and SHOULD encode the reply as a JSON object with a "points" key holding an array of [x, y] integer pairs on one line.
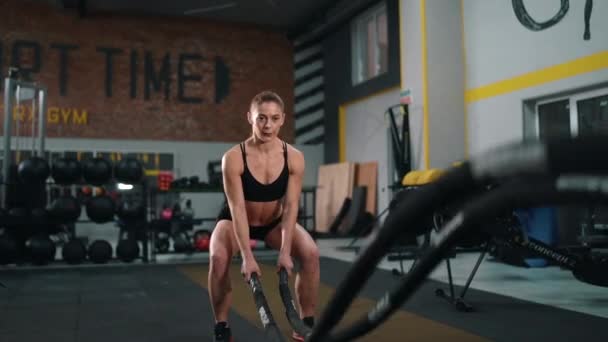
{"points": [[285, 262]]}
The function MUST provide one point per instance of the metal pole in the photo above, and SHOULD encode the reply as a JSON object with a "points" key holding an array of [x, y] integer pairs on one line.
{"points": [[34, 120], [42, 110], [9, 85]]}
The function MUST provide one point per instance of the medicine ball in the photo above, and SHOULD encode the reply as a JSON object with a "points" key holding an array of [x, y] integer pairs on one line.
{"points": [[65, 208], [41, 249], [202, 240], [162, 242], [74, 252], [193, 181], [166, 214], [33, 170], [86, 191], [129, 211], [202, 244], [38, 215], [182, 243], [202, 233], [66, 170], [100, 251], [9, 250], [100, 209], [129, 170], [97, 171], [17, 213], [127, 250]]}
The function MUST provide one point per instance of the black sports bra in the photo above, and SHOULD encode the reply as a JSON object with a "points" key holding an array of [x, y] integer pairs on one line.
{"points": [[255, 191]]}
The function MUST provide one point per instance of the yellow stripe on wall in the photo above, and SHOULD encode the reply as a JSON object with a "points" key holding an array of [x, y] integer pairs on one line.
{"points": [[557, 72], [425, 95]]}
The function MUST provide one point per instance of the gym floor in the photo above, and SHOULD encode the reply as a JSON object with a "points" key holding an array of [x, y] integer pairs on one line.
{"points": [[168, 302]]}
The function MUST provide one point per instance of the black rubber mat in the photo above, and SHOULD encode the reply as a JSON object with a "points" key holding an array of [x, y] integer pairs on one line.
{"points": [[155, 303], [160, 304], [496, 317]]}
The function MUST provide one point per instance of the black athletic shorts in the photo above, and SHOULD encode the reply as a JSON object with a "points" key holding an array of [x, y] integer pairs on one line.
{"points": [[255, 232]]}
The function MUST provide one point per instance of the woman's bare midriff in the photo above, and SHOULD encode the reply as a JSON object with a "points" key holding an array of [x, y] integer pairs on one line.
{"points": [[262, 213]]}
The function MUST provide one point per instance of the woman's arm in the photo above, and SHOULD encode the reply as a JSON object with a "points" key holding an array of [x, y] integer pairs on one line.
{"points": [[292, 199], [232, 169]]}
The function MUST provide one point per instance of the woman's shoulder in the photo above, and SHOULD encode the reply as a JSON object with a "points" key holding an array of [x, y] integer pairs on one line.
{"points": [[232, 158], [292, 150], [295, 158]]}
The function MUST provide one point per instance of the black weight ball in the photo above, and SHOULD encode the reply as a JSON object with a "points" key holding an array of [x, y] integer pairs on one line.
{"points": [[97, 171], [17, 215], [3, 212], [74, 252], [33, 170], [9, 250], [129, 170], [129, 211], [193, 181], [127, 250], [162, 242], [38, 215], [100, 251], [65, 208], [66, 170], [100, 209], [41, 249], [180, 183], [182, 243]]}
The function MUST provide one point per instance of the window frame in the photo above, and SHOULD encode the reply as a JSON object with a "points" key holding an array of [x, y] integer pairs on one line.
{"points": [[358, 32], [572, 99]]}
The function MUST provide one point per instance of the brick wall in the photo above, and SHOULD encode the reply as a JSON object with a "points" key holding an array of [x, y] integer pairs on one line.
{"points": [[135, 77]]}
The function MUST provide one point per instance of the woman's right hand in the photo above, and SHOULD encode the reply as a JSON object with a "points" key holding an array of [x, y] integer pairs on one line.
{"points": [[248, 267]]}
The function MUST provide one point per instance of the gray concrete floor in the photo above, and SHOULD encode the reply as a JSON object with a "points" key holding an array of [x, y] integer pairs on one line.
{"points": [[548, 285]]}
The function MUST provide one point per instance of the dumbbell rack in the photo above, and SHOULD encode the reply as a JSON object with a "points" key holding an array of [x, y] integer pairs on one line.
{"points": [[260, 251]]}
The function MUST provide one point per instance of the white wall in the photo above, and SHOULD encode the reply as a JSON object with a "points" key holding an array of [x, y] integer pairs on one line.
{"points": [[496, 48], [367, 139], [499, 48], [499, 120], [366, 128], [445, 83], [444, 77], [411, 74]]}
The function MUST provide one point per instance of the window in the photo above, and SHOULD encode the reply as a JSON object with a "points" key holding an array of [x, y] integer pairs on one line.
{"points": [[579, 114], [576, 115], [592, 115], [369, 44], [553, 119]]}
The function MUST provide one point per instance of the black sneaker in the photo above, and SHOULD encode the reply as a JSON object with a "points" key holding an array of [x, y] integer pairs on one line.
{"points": [[222, 332], [310, 322]]}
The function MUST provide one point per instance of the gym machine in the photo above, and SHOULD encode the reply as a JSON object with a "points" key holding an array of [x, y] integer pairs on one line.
{"points": [[15, 92]]}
